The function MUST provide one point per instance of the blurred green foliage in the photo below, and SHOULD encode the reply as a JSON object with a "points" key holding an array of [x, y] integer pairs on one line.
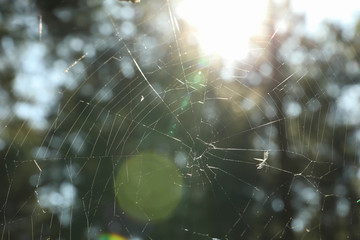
{"points": [[103, 114]]}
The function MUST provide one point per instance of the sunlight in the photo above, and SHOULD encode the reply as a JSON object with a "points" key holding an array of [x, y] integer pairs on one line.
{"points": [[223, 28]]}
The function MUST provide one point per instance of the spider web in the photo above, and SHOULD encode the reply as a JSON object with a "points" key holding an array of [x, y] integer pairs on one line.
{"points": [[134, 90]]}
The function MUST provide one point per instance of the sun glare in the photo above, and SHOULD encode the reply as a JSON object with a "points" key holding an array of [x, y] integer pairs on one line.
{"points": [[224, 27]]}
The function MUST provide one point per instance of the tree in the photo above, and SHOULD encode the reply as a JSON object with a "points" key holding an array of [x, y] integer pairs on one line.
{"points": [[137, 88]]}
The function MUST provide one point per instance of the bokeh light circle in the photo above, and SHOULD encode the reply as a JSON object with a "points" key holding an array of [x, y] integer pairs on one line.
{"points": [[148, 187]]}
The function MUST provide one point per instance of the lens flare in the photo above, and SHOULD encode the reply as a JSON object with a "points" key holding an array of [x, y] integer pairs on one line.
{"points": [[111, 236], [148, 187]]}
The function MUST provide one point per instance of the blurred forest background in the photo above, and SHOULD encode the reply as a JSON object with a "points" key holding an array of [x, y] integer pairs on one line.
{"points": [[86, 85]]}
